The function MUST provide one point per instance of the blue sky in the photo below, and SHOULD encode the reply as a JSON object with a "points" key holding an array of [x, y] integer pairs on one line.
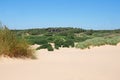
{"points": [[87, 14]]}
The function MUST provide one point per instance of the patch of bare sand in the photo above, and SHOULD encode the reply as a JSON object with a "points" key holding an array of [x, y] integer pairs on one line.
{"points": [[98, 63]]}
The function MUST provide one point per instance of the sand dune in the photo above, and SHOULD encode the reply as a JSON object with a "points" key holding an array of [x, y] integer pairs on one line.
{"points": [[98, 63]]}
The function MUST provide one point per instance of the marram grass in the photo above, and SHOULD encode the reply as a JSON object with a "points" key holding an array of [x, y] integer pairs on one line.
{"points": [[98, 41], [11, 46]]}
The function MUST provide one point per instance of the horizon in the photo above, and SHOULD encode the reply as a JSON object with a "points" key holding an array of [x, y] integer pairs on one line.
{"points": [[85, 14], [66, 27]]}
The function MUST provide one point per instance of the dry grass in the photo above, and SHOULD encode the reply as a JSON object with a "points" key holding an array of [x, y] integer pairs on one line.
{"points": [[11, 46]]}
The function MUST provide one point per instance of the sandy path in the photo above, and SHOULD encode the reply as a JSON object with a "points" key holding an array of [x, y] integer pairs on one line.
{"points": [[99, 63]]}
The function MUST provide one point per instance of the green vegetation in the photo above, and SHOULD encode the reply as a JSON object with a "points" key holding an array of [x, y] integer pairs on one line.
{"points": [[13, 46], [46, 46], [16, 43], [68, 37], [98, 41]]}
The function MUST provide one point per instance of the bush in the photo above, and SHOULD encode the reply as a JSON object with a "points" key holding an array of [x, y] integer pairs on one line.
{"points": [[50, 39], [68, 43], [37, 40], [89, 32], [50, 48], [46, 46], [82, 38], [59, 42], [56, 47], [11, 46]]}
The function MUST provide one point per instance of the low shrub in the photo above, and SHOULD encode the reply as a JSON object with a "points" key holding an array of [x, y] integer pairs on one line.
{"points": [[50, 48], [68, 43], [59, 42], [46, 46], [56, 47], [36, 40]]}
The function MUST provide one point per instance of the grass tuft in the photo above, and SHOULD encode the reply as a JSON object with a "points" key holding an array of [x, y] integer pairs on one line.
{"points": [[11, 46]]}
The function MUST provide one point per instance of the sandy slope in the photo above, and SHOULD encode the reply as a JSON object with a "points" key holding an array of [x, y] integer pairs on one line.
{"points": [[99, 63]]}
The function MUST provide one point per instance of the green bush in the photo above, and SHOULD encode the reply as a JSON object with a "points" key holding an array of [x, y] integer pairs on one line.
{"points": [[37, 40], [46, 46], [82, 38], [59, 42], [50, 39], [11, 46], [68, 43], [89, 32], [56, 47], [50, 48]]}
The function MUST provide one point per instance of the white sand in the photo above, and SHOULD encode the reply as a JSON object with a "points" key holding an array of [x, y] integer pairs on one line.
{"points": [[98, 63]]}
